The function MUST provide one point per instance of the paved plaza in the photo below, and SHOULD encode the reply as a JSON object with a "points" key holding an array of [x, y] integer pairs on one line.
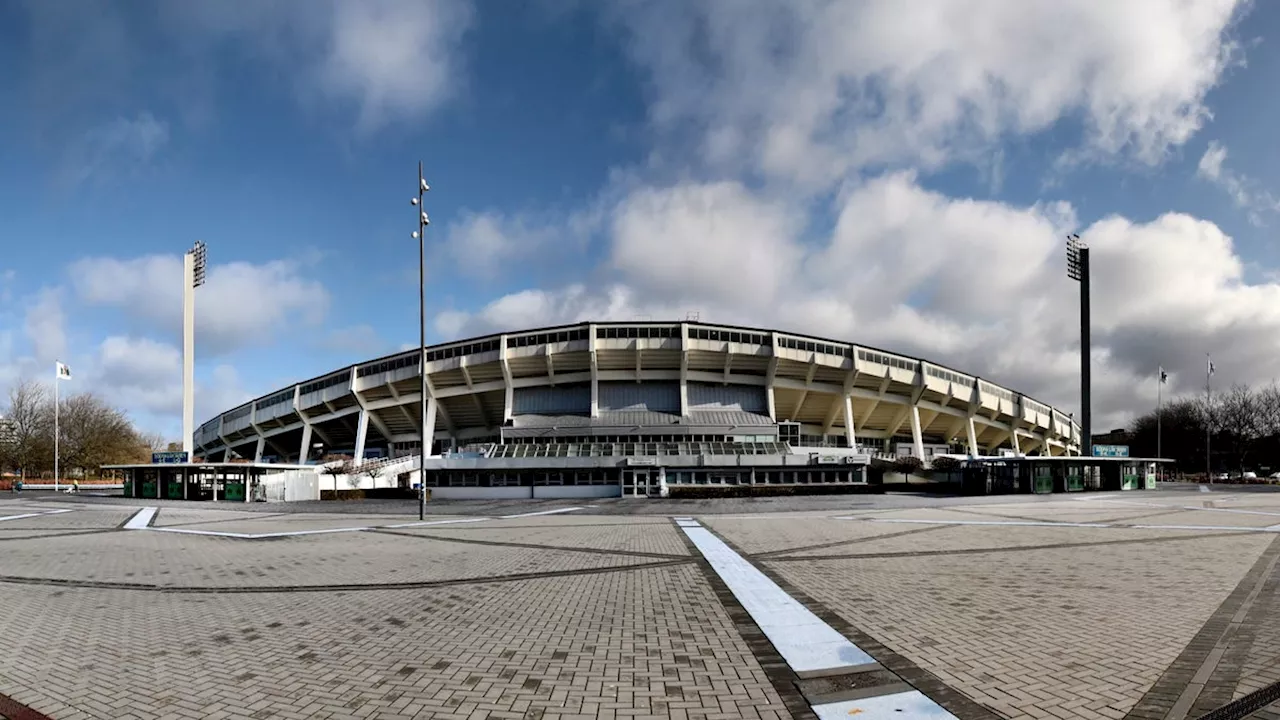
{"points": [[1142, 605]]}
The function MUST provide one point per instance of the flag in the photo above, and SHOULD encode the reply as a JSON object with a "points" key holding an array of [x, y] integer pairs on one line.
{"points": [[1210, 370], [61, 372], [1164, 376]]}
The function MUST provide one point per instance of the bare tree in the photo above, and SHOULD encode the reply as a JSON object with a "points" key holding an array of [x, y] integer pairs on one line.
{"points": [[96, 434], [155, 442], [1239, 423], [336, 465], [29, 429]]}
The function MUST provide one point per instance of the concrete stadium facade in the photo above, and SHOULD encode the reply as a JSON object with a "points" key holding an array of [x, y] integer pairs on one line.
{"points": [[615, 389]]}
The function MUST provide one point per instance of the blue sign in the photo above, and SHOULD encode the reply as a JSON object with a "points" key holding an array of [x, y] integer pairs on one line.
{"points": [[1111, 451], [168, 458]]}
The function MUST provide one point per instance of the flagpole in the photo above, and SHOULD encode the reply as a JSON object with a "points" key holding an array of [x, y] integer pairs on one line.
{"points": [[56, 379], [1208, 414], [1159, 403]]}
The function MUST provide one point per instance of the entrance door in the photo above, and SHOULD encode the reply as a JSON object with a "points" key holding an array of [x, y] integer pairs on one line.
{"points": [[635, 483]]}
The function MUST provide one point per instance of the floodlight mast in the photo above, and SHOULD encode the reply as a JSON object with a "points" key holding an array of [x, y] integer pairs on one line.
{"points": [[1078, 270], [193, 276]]}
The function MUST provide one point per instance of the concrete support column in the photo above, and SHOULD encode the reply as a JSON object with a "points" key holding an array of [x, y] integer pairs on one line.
{"points": [[917, 439], [768, 399], [1013, 440], [362, 433], [848, 423], [429, 431], [257, 452], [973, 436], [305, 450]]}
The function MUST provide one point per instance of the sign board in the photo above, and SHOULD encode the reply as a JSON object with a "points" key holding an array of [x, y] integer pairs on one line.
{"points": [[642, 461], [168, 458], [1111, 451], [829, 459]]}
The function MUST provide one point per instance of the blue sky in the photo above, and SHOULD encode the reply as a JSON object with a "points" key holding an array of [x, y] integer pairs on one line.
{"points": [[846, 169]]}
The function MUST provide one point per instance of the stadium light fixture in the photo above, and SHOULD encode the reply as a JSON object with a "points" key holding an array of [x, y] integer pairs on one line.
{"points": [[193, 276], [1078, 270], [425, 442]]}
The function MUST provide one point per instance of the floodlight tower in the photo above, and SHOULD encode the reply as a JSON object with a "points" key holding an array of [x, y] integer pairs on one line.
{"points": [[193, 266], [1078, 270]]}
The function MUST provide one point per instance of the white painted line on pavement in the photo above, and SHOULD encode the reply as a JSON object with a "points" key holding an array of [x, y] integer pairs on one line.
{"points": [[802, 638], [141, 519], [1112, 526], [436, 522], [1028, 523], [34, 514], [542, 512], [910, 705], [1197, 527], [1204, 489], [256, 536]]}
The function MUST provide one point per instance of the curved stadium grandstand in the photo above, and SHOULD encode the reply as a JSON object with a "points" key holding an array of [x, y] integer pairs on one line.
{"points": [[634, 408]]}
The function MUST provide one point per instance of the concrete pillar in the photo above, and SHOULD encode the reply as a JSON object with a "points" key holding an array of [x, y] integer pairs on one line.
{"points": [[362, 433], [917, 439], [973, 437], [768, 401], [429, 430], [1013, 440], [305, 450], [848, 423], [257, 451]]}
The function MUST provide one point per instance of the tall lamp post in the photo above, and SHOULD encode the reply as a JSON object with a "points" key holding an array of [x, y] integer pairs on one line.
{"points": [[421, 235], [1078, 270]]}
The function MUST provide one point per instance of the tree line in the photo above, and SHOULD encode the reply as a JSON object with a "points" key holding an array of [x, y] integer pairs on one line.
{"points": [[1241, 425], [92, 433]]}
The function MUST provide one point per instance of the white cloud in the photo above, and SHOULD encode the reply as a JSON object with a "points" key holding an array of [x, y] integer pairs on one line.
{"points": [[978, 285], [396, 60], [145, 376], [390, 60], [485, 245], [44, 327], [117, 147], [359, 340], [240, 304], [1242, 190], [808, 92]]}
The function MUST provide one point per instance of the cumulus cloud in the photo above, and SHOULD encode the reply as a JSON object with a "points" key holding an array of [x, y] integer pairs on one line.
{"points": [[44, 327], [388, 60], [979, 285], [240, 304], [1243, 191], [145, 376], [810, 91]]}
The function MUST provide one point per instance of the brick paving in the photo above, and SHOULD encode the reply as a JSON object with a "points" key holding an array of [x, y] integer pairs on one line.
{"points": [[605, 613]]}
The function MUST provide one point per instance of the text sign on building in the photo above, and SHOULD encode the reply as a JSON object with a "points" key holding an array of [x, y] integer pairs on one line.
{"points": [[168, 458], [1111, 451]]}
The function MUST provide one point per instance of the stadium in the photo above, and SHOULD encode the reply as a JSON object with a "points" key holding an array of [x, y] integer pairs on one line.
{"points": [[603, 409]]}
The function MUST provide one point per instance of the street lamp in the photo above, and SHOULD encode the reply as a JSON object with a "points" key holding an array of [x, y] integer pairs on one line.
{"points": [[421, 235], [1078, 270]]}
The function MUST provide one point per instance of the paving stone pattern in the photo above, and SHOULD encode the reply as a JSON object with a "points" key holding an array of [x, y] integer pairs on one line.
{"points": [[605, 613], [173, 560], [1040, 633], [654, 640]]}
